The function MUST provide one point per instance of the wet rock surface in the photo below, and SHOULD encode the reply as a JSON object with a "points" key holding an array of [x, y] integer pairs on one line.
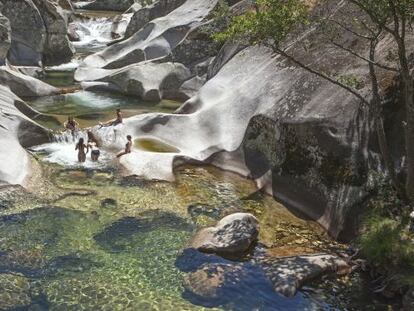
{"points": [[289, 274], [234, 235]]}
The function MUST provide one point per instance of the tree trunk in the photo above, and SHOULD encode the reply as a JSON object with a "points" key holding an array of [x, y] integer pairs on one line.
{"points": [[386, 156], [409, 138]]}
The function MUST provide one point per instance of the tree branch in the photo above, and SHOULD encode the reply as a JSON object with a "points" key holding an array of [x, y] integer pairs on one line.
{"points": [[322, 75], [352, 52]]}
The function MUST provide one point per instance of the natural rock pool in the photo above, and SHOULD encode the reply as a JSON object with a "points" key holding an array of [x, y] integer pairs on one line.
{"points": [[84, 237], [90, 239]]}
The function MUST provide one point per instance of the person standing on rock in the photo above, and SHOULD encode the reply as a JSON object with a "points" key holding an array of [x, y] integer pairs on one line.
{"points": [[128, 147], [80, 146]]}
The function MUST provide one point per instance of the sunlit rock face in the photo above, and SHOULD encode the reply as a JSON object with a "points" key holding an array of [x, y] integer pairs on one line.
{"points": [[156, 40], [107, 5], [39, 32], [16, 132], [150, 12]]}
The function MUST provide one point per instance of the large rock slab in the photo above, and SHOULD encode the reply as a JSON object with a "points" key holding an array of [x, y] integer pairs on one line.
{"points": [[39, 32], [5, 38], [24, 85], [58, 49], [16, 132], [290, 274], [28, 32], [156, 40], [148, 81], [233, 236], [107, 5], [147, 13]]}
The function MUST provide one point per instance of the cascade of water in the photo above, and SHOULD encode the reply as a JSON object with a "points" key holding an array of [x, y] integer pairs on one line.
{"points": [[93, 32], [62, 149]]}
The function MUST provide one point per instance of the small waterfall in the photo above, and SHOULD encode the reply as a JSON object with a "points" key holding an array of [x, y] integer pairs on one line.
{"points": [[93, 32], [62, 149]]}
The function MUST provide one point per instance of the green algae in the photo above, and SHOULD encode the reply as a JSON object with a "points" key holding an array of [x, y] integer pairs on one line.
{"points": [[153, 145]]}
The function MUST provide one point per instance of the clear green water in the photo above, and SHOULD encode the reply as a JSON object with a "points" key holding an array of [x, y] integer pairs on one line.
{"points": [[89, 108], [90, 240]]}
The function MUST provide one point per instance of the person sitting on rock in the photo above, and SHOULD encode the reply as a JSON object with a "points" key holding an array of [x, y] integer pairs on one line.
{"points": [[116, 121], [71, 124], [128, 147], [94, 145], [80, 146]]}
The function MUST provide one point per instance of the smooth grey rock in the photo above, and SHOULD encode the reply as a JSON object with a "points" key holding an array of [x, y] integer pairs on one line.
{"points": [[5, 38], [23, 85], [28, 32], [16, 132], [150, 81], [108, 5], [156, 40], [58, 49], [146, 14], [289, 274], [190, 87], [232, 236], [39, 32]]}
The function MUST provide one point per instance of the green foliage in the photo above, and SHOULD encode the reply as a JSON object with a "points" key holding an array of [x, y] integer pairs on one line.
{"points": [[352, 81], [385, 240], [270, 23]]}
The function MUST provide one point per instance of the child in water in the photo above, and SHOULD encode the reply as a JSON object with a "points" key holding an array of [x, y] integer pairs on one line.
{"points": [[94, 145], [71, 124], [80, 146], [128, 147]]}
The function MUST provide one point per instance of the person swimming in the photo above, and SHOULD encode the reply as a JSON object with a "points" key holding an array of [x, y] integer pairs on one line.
{"points": [[80, 146], [128, 147], [71, 124], [94, 145], [116, 121]]}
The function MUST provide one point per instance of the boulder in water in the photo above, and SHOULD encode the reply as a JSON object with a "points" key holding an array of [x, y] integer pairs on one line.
{"points": [[233, 236], [289, 274]]}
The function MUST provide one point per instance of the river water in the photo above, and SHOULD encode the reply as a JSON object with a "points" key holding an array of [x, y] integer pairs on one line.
{"points": [[86, 238]]}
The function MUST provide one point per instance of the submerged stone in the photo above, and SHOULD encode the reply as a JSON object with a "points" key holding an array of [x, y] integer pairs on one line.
{"points": [[118, 236]]}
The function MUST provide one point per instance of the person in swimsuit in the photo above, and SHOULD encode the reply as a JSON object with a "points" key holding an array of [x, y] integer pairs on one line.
{"points": [[128, 147], [116, 121], [71, 124], [94, 145], [80, 146]]}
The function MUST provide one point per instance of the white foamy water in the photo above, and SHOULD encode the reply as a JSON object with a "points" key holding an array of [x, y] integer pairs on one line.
{"points": [[94, 32], [62, 149], [72, 65]]}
